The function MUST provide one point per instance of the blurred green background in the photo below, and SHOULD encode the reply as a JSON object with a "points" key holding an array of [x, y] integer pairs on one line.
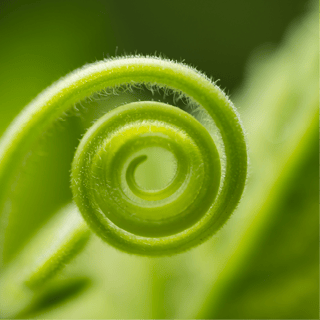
{"points": [[44, 40], [265, 262]]}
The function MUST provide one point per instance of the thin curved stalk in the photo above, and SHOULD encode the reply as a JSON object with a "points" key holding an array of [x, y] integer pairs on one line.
{"points": [[195, 203], [60, 97]]}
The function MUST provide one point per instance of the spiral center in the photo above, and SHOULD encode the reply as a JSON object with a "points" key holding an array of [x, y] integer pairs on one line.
{"points": [[157, 170]]}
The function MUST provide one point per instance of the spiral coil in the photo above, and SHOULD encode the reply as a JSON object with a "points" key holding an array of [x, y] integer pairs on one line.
{"points": [[152, 222]]}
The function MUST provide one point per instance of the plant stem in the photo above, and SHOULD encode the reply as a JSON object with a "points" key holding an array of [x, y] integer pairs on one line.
{"points": [[49, 250]]}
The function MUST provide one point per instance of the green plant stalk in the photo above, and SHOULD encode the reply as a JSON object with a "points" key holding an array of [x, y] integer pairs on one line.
{"points": [[50, 249]]}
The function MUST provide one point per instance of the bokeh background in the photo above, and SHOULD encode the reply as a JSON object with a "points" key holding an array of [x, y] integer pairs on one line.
{"points": [[265, 262], [44, 40]]}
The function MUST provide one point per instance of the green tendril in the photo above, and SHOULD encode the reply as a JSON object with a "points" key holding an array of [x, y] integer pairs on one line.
{"points": [[194, 204], [106, 193]]}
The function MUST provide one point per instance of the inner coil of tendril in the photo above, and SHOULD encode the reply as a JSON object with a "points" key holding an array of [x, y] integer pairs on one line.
{"points": [[121, 137]]}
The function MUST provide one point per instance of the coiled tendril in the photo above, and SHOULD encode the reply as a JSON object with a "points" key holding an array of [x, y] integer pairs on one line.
{"points": [[182, 214]]}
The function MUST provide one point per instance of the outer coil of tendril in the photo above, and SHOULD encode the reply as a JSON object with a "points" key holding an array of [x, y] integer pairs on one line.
{"points": [[114, 206]]}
